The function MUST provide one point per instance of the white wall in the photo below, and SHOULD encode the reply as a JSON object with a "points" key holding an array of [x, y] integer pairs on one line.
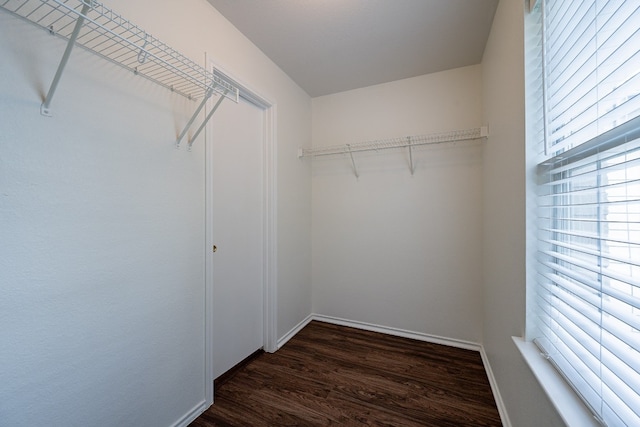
{"points": [[102, 224], [390, 248], [504, 219], [205, 30]]}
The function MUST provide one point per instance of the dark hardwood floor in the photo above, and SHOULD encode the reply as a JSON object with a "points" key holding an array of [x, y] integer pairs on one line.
{"points": [[330, 375]]}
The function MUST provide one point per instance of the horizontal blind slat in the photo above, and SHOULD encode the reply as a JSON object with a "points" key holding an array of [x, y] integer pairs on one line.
{"points": [[595, 252], [559, 306], [572, 368], [584, 234], [590, 96], [592, 284]]}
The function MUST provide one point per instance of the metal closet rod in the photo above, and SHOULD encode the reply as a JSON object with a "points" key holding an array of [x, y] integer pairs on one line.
{"points": [[400, 142], [95, 28]]}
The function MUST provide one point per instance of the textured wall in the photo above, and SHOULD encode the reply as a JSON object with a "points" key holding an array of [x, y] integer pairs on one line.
{"points": [[102, 224]]}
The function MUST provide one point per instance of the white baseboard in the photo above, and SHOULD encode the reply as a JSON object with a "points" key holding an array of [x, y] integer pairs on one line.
{"points": [[192, 414], [282, 341], [420, 336], [502, 409]]}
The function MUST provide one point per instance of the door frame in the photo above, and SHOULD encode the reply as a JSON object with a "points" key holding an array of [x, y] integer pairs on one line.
{"points": [[269, 225]]}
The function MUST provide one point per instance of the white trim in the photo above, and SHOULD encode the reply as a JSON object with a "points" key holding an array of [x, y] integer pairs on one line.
{"points": [[420, 336], [208, 271], [569, 406], [282, 341], [192, 414], [270, 242], [502, 408], [245, 92], [270, 209]]}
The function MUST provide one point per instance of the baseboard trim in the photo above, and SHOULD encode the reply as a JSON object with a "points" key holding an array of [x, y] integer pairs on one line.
{"points": [[192, 414], [282, 341], [420, 336], [502, 409]]}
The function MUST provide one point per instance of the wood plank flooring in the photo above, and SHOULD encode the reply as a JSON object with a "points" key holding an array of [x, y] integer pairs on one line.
{"points": [[330, 375]]}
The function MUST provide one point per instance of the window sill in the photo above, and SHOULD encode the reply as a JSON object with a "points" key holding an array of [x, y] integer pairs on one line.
{"points": [[569, 406]]}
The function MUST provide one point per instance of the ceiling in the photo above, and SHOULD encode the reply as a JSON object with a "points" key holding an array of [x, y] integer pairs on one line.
{"points": [[329, 46]]}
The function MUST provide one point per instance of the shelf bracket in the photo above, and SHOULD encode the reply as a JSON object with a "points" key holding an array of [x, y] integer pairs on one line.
{"points": [[45, 107], [193, 118], [206, 119], [411, 167], [353, 162]]}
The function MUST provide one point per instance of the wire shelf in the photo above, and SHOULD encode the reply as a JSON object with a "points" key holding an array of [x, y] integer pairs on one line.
{"points": [[114, 38], [401, 142]]}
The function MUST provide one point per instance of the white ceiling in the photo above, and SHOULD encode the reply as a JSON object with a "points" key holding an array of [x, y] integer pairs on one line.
{"points": [[329, 46]]}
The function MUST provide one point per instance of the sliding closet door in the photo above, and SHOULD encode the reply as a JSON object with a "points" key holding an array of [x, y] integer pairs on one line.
{"points": [[237, 139]]}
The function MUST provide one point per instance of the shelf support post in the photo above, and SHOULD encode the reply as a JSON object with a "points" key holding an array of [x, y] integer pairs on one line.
{"points": [[44, 108], [206, 119], [353, 162], [411, 167], [193, 118]]}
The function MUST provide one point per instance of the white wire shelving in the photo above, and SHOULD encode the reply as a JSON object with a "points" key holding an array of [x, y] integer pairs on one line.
{"points": [[408, 142], [92, 26]]}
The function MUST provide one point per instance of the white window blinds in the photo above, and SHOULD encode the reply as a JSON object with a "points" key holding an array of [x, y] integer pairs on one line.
{"points": [[592, 68], [588, 285], [587, 295]]}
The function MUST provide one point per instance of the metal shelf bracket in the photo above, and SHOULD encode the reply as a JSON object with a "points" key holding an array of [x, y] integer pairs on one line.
{"points": [[45, 107], [204, 122], [411, 168], [91, 26], [353, 162]]}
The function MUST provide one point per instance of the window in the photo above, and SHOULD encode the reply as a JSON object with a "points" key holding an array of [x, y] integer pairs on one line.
{"points": [[585, 304]]}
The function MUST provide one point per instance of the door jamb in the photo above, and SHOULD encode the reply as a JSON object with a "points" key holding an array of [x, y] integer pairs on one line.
{"points": [[269, 243]]}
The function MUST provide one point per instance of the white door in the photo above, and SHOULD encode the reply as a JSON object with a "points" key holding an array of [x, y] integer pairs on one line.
{"points": [[236, 137]]}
